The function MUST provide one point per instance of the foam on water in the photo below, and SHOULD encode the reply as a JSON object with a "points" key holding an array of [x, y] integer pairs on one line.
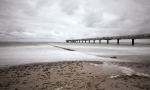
{"points": [[115, 70]]}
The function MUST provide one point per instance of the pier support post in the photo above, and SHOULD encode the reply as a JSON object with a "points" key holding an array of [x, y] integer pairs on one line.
{"points": [[99, 41], [132, 41], [85, 41], [118, 41], [107, 41], [93, 41], [82, 41], [89, 41]]}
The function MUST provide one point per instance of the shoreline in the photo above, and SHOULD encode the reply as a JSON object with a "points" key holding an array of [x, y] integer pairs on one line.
{"points": [[74, 75]]}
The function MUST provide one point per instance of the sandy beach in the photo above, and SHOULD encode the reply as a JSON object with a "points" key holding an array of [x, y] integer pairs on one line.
{"points": [[73, 75]]}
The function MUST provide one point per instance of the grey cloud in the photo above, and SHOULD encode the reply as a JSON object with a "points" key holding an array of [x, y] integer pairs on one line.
{"points": [[69, 6], [12, 26], [10, 7], [9, 35], [13, 13], [56, 32], [42, 3], [132, 17], [92, 18]]}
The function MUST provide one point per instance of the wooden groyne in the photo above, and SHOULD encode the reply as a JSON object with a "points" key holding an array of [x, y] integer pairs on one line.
{"points": [[132, 37]]}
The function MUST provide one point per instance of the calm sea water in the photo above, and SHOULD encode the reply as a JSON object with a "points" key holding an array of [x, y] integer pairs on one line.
{"points": [[14, 53]]}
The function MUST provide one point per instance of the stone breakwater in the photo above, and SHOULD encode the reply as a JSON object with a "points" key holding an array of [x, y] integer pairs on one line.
{"points": [[72, 75]]}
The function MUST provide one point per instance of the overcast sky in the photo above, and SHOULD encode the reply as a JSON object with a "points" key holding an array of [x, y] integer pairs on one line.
{"points": [[64, 19]]}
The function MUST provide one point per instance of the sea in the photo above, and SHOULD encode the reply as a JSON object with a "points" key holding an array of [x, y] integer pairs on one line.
{"points": [[16, 53]]}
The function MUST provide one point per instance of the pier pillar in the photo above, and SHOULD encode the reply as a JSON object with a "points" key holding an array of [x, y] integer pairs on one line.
{"points": [[100, 41], [79, 41], [82, 41], [132, 41], [85, 41], [89, 41], [107, 41], [93, 41], [117, 41]]}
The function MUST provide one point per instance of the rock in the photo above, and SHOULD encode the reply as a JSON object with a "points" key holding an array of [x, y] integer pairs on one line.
{"points": [[24, 82], [113, 57]]}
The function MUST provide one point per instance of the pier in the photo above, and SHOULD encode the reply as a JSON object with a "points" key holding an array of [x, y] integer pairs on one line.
{"points": [[117, 38]]}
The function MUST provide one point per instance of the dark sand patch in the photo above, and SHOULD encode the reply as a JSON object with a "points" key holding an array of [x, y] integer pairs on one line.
{"points": [[71, 75]]}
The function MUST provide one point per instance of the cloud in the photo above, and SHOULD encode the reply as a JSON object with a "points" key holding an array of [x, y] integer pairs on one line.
{"points": [[64, 19], [119, 17], [43, 3], [12, 8], [92, 18], [69, 6]]}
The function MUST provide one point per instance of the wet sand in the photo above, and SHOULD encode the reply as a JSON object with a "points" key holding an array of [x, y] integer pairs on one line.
{"points": [[74, 75]]}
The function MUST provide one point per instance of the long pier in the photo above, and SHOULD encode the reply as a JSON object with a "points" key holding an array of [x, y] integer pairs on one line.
{"points": [[132, 37]]}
